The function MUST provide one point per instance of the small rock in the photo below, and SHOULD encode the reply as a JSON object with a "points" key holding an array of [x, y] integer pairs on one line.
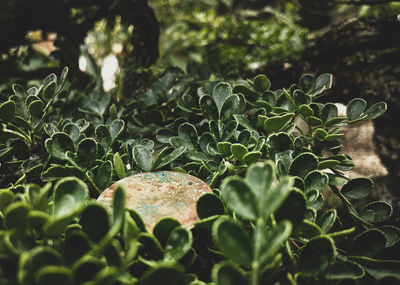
{"points": [[155, 195]]}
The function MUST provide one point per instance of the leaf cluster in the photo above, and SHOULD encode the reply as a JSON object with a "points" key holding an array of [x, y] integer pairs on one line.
{"points": [[269, 155]]}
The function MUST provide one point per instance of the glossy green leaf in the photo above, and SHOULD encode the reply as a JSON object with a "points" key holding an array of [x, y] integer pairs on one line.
{"points": [[142, 157], [69, 197], [306, 111], [355, 108], [49, 91], [306, 82], [58, 145], [239, 151], [322, 82], [225, 273], [104, 174], [220, 94], [316, 180], [175, 154], [249, 94], [327, 220], [188, 132], [303, 164], [317, 255], [260, 177], [277, 123], [224, 148], [357, 188], [230, 107], [116, 129], [232, 240], [240, 197], [86, 153], [376, 212], [329, 111], [119, 166], [7, 111], [251, 157], [375, 111], [35, 108], [178, 243], [103, 136]]}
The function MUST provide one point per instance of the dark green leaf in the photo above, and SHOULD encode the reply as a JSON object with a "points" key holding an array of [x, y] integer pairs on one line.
{"points": [[58, 145], [7, 111], [316, 180], [163, 229], [369, 243], [230, 107], [209, 205], [232, 240], [376, 212], [240, 197], [317, 255], [344, 270], [304, 164], [277, 123], [392, 235], [274, 240], [142, 157], [175, 154], [188, 132], [220, 93], [261, 83], [251, 157], [239, 151], [178, 243], [375, 111], [355, 108], [379, 268], [94, 221], [116, 128], [208, 107], [327, 220], [357, 188], [293, 208], [119, 166], [104, 174], [16, 216]]}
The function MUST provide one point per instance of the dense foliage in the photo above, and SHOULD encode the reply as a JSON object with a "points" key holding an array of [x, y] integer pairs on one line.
{"points": [[272, 157]]}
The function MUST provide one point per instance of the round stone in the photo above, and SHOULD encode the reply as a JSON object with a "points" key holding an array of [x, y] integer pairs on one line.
{"points": [[155, 195]]}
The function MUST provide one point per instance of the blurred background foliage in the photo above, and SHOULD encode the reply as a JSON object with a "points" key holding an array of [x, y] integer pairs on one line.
{"points": [[145, 37]]}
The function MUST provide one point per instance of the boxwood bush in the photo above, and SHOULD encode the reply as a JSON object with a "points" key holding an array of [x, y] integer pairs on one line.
{"points": [[270, 156]]}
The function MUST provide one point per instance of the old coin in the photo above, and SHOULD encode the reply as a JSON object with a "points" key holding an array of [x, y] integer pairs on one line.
{"points": [[155, 195]]}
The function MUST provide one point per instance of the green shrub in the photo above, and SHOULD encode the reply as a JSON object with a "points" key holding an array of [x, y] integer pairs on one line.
{"points": [[266, 221]]}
